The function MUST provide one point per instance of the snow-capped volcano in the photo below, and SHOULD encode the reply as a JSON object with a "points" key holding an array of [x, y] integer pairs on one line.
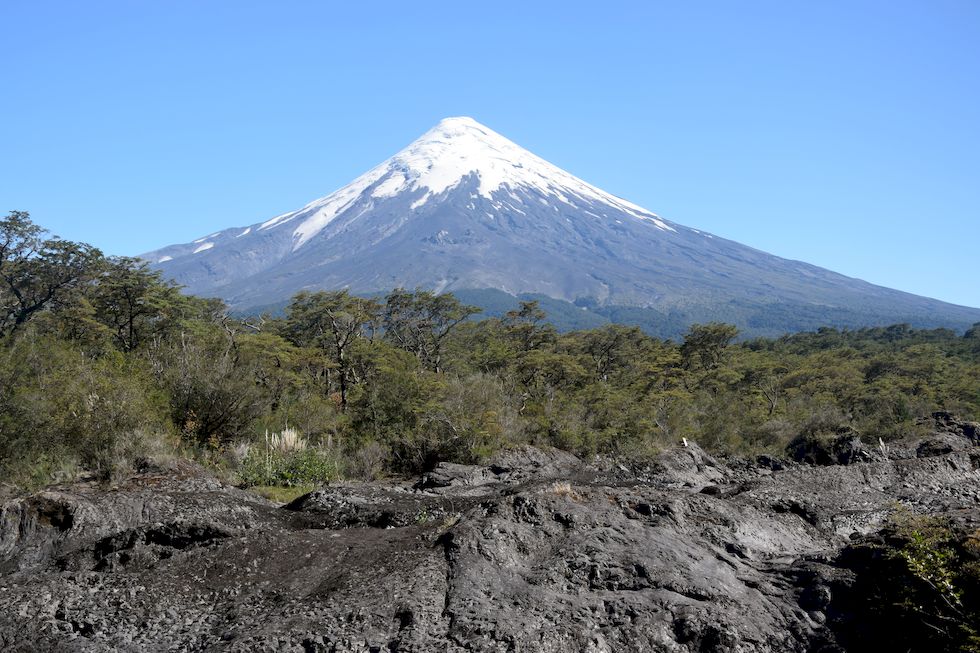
{"points": [[439, 161], [462, 207]]}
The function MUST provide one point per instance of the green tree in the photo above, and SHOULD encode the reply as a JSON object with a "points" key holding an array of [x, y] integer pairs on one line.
{"points": [[37, 272], [134, 302], [705, 345], [392, 403], [613, 349], [526, 327], [332, 322], [420, 322]]}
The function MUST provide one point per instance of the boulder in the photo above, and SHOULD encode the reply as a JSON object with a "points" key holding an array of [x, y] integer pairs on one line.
{"points": [[948, 423], [844, 448]]}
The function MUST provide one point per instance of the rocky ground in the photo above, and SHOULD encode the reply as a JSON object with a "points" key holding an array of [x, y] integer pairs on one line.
{"points": [[537, 551]]}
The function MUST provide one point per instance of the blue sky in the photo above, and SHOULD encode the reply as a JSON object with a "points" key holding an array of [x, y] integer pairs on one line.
{"points": [[842, 133]]}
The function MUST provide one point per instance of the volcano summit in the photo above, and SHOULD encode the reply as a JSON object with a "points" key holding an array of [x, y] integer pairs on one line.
{"points": [[462, 208]]}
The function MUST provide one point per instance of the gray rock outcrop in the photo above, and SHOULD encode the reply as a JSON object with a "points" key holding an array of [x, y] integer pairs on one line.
{"points": [[536, 551]]}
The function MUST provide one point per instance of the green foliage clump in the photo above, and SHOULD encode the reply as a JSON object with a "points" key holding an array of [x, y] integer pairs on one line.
{"points": [[303, 468], [940, 592], [61, 409], [915, 587]]}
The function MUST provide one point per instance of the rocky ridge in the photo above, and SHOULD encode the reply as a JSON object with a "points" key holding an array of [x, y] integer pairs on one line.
{"points": [[536, 551]]}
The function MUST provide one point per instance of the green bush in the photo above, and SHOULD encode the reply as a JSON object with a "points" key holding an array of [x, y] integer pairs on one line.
{"points": [[212, 390], [60, 408], [265, 467], [940, 597]]}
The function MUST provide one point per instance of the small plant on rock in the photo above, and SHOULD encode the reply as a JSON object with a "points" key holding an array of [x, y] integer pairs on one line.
{"points": [[565, 489], [285, 459], [942, 566]]}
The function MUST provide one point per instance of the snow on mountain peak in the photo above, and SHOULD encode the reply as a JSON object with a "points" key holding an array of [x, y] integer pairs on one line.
{"points": [[460, 146], [440, 160]]}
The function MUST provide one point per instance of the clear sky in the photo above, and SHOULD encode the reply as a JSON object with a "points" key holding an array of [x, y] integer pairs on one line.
{"points": [[842, 133]]}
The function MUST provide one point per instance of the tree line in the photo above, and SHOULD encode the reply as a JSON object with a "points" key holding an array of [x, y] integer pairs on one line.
{"points": [[106, 366]]}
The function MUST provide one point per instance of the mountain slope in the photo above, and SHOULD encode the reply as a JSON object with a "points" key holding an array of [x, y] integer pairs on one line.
{"points": [[464, 208]]}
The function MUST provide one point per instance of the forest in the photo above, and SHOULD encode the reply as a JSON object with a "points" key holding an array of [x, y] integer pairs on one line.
{"points": [[105, 367]]}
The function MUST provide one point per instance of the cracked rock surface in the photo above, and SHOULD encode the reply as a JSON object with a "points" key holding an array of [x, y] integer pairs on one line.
{"points": [[537, 551]]}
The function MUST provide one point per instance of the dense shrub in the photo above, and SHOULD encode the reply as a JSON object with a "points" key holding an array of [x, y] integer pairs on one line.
{"points": [[62, 409]]}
